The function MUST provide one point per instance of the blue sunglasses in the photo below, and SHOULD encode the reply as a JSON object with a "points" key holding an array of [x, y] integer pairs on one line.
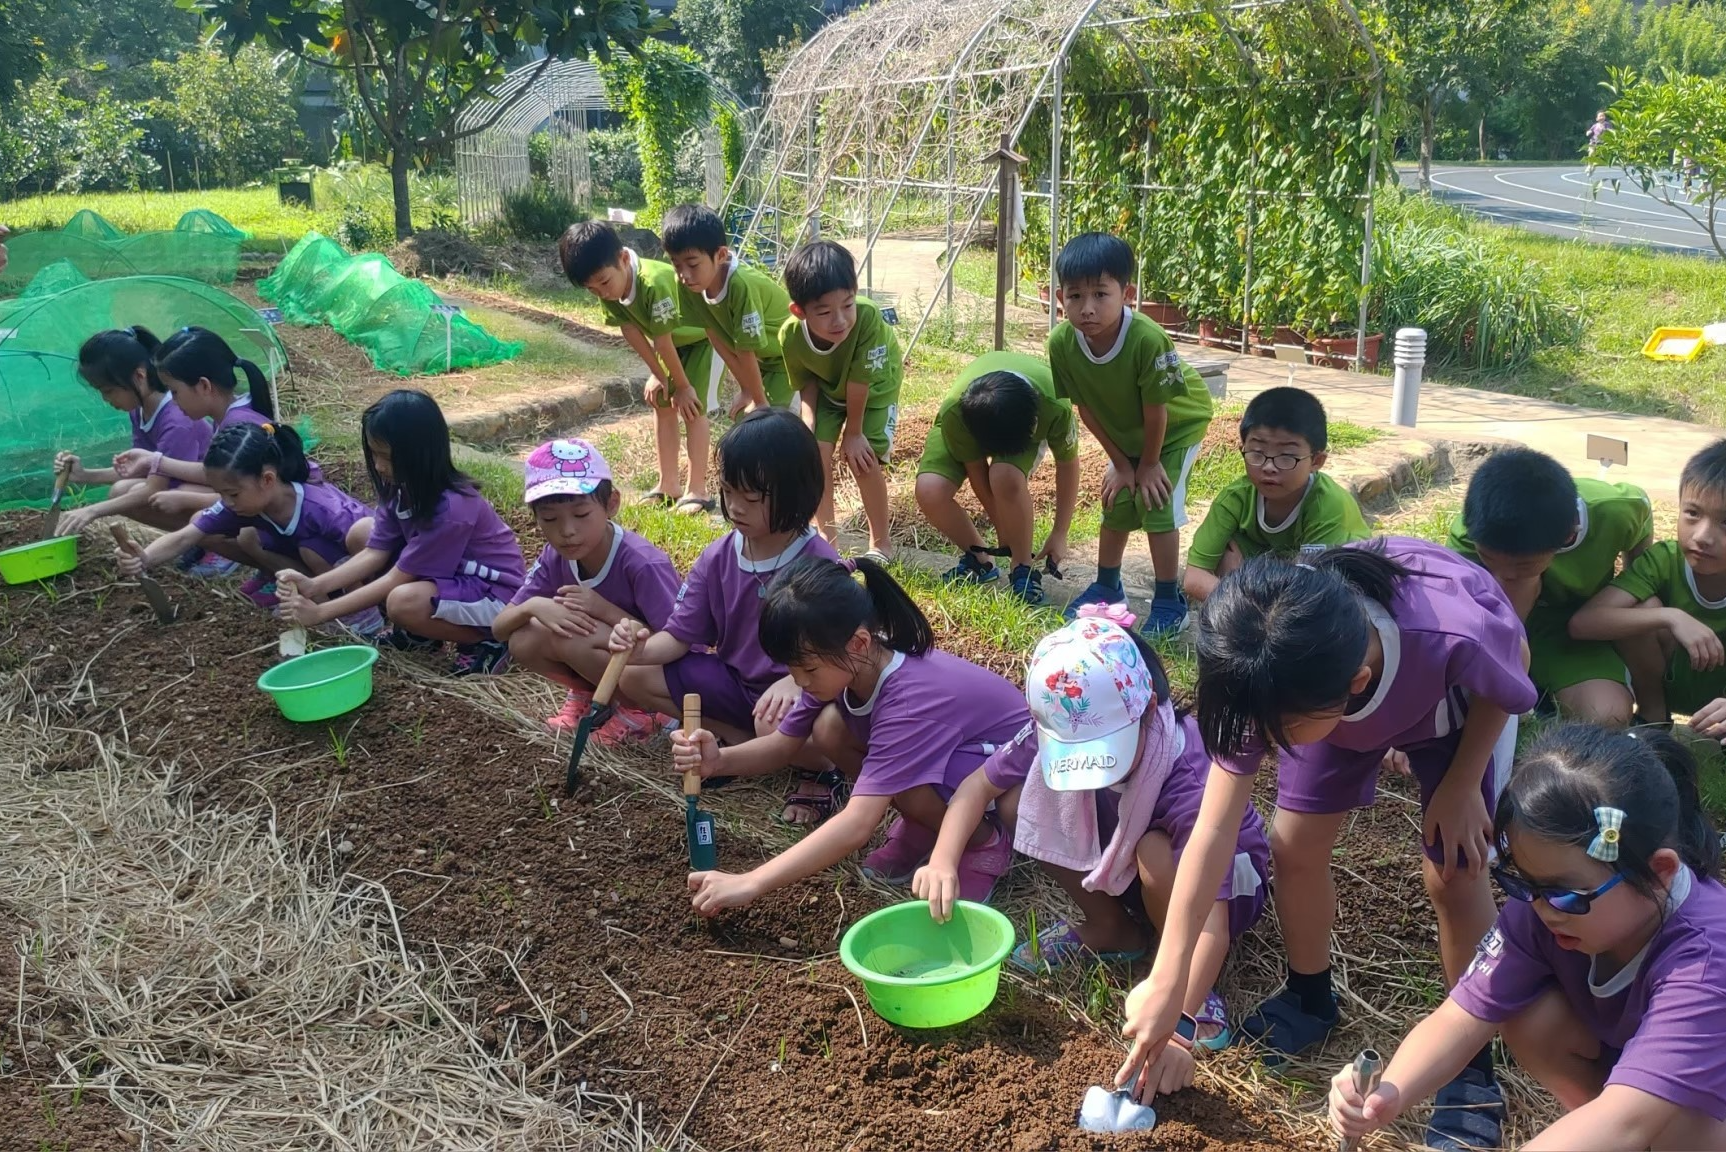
{"points": [[1566, 900]]}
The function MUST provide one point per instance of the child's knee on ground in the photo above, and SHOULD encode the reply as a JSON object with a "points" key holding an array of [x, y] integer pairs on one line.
{"points": [[1604, 702]]}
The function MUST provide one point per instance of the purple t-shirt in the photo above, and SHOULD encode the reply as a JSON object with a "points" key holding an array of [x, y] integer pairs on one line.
{"points": [[464, 536], [1666, 1009], [171, 432], [925, 710], [1450, 635], [242, 412], [637, 579], [322, 516], [719, 604], [1176, 811]]}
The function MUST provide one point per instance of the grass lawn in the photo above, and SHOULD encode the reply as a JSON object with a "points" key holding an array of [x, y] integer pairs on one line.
{"points": [[274, 226]]}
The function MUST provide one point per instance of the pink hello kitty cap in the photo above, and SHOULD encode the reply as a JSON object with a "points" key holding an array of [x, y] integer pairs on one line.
{"points": [[564, 468], [1088, 688]]}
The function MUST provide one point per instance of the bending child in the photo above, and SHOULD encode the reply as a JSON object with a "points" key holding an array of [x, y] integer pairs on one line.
{"points": [[1146, 407], [906, 722], [1604, 973], [769, 485], [1395, 650], [440, 561], [269, 508], [845, 364], [592, 574], [119, 365], [1284, 504], [1553, 542], [1674, 593], [641, 298], [992, 429], [1104, 791]]}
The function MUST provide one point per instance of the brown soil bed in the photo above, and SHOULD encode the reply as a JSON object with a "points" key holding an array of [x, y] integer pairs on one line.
{"points": [[746, 1023]]}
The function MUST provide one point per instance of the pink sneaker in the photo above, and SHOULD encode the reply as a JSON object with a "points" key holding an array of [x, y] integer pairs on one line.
{"points": [[979, 868], [575, 706], [907, 849], [626, 726], [260, 589]]}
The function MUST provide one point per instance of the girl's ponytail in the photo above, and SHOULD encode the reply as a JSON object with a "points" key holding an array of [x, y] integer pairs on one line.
{"points": [[263, 396], [110, 360], [194, 354], [1697, 843], [247, 449], [815, 607], [1365, 568]]}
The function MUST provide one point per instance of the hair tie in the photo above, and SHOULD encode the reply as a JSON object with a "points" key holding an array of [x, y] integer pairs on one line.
{"points": [[1113, 613], [1304, 564], [269, 429], [1604, 846]]}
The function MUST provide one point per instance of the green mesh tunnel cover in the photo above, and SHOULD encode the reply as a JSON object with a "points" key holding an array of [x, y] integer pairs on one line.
{"points": [[46, 407], [202, 246], [396, 320]]}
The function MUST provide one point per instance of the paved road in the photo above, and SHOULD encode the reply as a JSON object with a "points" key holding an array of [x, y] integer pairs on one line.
{"points": [[1558, 200]]}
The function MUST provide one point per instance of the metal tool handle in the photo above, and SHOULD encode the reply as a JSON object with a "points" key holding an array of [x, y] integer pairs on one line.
{"points": [[1368, 1070], [691, 721], [607, 686]]}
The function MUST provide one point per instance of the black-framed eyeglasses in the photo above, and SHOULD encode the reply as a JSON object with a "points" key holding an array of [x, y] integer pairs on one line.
{"points": [[1282, 462], [1566, 900]]}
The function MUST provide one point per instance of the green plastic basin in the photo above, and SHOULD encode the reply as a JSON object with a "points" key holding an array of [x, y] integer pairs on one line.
{"points": [[920, 974], [40, 560], [322, 684]]}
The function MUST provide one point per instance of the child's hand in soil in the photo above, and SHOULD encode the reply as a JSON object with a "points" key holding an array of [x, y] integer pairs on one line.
{"points": [[628, 636], [1354, 1115], [939, 885], [295, 606], [696, 751], [1152, 1010], [75, 521], [717, 891], [1168, 1073], [135, 463]]}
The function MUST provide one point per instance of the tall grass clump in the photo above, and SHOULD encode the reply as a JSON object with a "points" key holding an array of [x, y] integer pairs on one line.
{"points": [[1482, 305], [538, 211]]}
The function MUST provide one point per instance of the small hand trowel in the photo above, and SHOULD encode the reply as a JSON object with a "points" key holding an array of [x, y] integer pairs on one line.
{"points": [[597, 714], [1114, 1111], [292, 642], [62, 476], [697, 825], [158, 599]]}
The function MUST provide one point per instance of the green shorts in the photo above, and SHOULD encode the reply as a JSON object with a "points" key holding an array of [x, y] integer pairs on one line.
{"points": [[1129, 512], [776, 383], [1557, 662], [938, 458], [880, 422], [1687, 689], [703, 367]]}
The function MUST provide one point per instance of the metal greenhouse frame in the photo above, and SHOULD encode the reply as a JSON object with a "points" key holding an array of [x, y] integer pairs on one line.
{"points": [[907, 100]]}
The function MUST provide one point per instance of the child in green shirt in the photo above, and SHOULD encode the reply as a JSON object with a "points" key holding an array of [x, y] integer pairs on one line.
{"points": [[844, 363], [742, 308], [641, 298], [992, 429], [1553, 542], [1675, 592], [1146, 407], [1284, 504]]}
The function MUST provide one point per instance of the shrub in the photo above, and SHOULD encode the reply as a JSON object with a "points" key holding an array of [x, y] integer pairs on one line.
{"points": [[615, 162], [538, 212]]}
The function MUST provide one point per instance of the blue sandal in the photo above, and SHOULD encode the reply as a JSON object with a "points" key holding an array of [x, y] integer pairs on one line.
{"points": [[1468, 1113], [1059, 945], [1214, 1012], [1283, 1029]]}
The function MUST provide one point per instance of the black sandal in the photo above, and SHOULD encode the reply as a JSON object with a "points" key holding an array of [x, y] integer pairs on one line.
{"points": [[693, 506], [822, 804]]}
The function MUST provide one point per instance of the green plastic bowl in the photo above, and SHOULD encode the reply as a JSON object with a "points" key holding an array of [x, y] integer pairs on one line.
{"points": [[322, 684], [40, 560], [920, 974]]}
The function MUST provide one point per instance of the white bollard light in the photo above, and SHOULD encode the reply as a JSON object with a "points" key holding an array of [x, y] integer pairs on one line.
{"points": [[1410, 359]]}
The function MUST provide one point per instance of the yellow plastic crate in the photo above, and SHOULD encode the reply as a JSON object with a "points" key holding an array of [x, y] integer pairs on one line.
{"points": [[1675, 344]]}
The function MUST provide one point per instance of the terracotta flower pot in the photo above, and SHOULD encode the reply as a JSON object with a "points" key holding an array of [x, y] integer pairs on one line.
{"points": [[1216, 334], [1338, 351], [1171, 317], [1269, 338]]}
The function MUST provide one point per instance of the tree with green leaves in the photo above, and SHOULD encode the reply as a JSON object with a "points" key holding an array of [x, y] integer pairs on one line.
{"points": [[1668, 138], [415, 66], [666, 94], [735, 36], [234, 117]]}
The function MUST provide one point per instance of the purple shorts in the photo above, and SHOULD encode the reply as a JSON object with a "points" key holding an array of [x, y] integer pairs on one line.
{"points": [[724, 695], [331, 552], [469, 600], [1320, 779], [1252, 863]]}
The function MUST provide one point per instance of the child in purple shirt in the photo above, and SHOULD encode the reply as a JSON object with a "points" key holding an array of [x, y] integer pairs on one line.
{"points": [[440, 560], [770, 484], [1103, 791], [1606, 971], [906, 722], [118, 365], [1396, 652], [591, 575]]}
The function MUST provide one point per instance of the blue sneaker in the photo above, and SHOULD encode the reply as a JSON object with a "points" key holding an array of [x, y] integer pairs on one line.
{"points": [[1099, 593], [1027, 585], [970, 570], [1166, 616], [211, 567]]}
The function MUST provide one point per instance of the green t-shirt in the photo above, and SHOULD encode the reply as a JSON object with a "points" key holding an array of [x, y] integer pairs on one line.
{"points": [[1056, 425], [750, 311], [1661, 571], [869, 354], [653, 304], [1143, 368], [1326, 515], [1611, 520]]}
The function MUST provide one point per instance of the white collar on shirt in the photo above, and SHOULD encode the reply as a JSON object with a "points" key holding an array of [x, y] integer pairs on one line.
{"points": [[610, 559], [634, 277], [1675, 897], [293, 523], [1690, 579], [145, 425], [810, 340], [1581, 527], [1290, 518], [771, 563], [868, 705], [1120, 340], [730, 271], [1390, 639]]}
